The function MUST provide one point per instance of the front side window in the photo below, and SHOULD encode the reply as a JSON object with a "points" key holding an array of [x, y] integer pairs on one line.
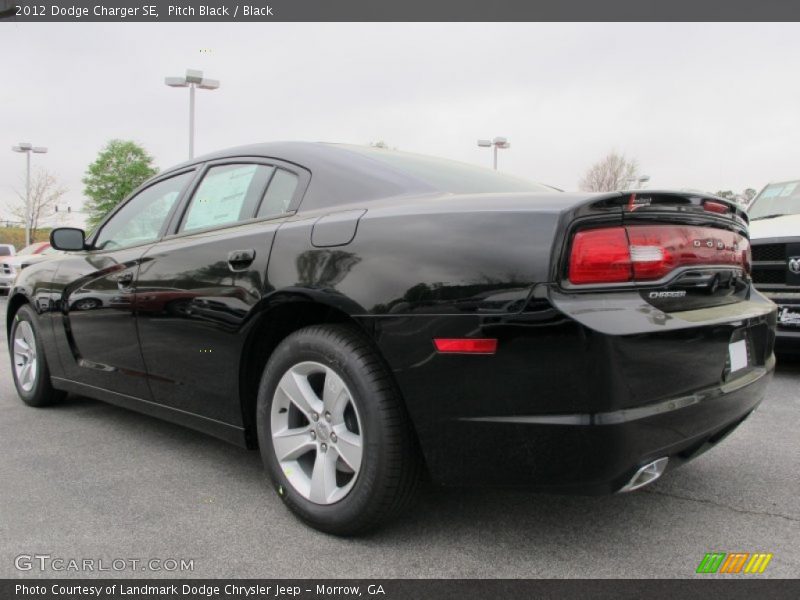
{"points": [[227, 194], [141, 219]]}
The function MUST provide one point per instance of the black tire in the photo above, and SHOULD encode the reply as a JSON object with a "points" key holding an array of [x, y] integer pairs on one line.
{"points": [[391, 464], [42, 392]]}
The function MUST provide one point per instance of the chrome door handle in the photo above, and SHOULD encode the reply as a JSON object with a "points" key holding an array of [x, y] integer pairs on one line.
{"points": [[241, 259]]}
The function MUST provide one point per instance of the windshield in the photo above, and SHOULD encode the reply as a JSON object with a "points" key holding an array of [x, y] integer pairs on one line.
{"points": [[449, 175], [777, 199]]}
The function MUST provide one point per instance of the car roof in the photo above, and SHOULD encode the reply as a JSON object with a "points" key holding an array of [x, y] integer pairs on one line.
{"points": [[348, 176]]}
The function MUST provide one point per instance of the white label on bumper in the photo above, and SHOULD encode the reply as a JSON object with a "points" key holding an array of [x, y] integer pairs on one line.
{"points": [[789, 316], [738, 354]]}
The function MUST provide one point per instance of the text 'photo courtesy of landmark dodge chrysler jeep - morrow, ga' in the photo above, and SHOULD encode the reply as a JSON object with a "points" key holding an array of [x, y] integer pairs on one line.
{"points": [[369, 318], [775, 235]]}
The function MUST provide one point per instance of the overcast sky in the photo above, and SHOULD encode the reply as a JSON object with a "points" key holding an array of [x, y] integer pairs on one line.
{"points": [[708, 106]]}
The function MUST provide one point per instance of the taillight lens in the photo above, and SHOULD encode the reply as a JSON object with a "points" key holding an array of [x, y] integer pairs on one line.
{"points": [[600, 256], [650, 252], [716, 207]]}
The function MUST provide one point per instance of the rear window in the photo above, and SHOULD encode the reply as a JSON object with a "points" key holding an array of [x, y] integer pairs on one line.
{"points": [[777, 199], [449, 175]]}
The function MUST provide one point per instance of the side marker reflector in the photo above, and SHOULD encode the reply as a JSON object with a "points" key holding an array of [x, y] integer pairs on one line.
{"points": [[465, 345]]}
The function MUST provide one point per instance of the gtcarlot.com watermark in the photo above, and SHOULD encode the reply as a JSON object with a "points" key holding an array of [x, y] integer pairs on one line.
{"points": [[59, 564]]}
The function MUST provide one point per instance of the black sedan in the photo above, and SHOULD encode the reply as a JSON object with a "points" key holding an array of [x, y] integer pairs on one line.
{"points": [[370, 318]]}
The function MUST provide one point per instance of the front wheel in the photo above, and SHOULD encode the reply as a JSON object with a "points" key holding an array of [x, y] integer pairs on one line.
{"points": [[333, 431], [28, 362]]}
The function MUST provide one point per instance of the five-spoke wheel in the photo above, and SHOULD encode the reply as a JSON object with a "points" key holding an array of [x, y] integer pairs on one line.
{"points": [[28, 361], [316, 432], [333, 431], [24, 356]]}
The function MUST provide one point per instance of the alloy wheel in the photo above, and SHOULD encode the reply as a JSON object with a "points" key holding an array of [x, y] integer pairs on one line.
{"points": [[316, 432], [25, 361]]}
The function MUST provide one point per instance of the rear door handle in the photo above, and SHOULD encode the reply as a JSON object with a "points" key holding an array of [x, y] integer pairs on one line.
{"points": [[241, 259]]}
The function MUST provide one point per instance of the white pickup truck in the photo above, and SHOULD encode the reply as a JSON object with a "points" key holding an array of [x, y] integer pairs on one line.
{"points": [[775, 238]]}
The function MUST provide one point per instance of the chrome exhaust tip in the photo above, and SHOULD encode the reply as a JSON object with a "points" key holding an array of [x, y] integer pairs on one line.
{"points": [[646, 475]]}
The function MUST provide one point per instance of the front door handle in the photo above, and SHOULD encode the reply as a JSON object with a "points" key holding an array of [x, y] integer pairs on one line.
{"points": [[241, 259], [124, 280]]}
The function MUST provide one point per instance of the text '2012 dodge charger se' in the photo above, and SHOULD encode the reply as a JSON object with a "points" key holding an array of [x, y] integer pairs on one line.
{"points": [[368, 317]]}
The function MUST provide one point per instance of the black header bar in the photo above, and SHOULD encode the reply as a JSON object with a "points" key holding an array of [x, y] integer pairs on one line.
{"points": [[398, 10]]}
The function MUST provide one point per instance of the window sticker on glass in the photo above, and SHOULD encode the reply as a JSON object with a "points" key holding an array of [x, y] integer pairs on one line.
{"points": [[227, 194]]}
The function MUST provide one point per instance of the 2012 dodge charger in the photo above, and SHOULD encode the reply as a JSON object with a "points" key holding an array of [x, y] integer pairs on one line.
{"points": [[365, 317]]}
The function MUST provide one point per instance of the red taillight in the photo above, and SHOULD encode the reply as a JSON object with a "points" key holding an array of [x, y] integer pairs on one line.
{"points": [[650, 252], [716, 207], [465, 345], [600, 256]]}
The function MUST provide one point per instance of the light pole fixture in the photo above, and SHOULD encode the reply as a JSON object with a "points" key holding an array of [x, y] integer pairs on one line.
{"points": [[498, 142], [193, 79], [27, 148]]}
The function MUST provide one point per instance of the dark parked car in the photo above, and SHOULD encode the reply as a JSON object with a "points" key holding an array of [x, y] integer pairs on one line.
{"points": [[368, 317]]}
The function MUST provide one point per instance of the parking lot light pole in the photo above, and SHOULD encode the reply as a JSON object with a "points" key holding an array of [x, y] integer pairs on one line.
{"points": [[498, 142], [193, 79], [27, 148]]}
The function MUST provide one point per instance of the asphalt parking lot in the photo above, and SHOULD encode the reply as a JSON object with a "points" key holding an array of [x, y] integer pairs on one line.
{"points": [[89, 480]]}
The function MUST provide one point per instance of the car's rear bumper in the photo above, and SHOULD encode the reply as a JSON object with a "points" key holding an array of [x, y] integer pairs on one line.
{"points": [[565, 407], [599, 453]]}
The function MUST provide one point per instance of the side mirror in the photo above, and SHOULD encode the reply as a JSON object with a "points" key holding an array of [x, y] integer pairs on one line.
{"points": [[68, 238]]}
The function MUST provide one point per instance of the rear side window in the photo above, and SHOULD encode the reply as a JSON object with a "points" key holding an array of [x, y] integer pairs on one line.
{"points": [[227, 194], [5, 251], [279, 194]]}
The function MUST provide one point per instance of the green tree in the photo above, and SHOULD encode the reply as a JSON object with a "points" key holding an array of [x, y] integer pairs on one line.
{"points": [[120, 167]]}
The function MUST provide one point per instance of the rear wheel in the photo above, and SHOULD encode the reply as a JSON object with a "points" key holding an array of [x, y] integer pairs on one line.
{"points": [[333, 432], [28, 362]]}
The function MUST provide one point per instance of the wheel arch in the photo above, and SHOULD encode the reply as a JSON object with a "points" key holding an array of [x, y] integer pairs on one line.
{"points": [[271, 327], [14, 303]]}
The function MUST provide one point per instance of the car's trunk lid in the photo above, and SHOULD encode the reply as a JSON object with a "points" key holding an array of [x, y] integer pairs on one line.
{"points": [[700, 239]]}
